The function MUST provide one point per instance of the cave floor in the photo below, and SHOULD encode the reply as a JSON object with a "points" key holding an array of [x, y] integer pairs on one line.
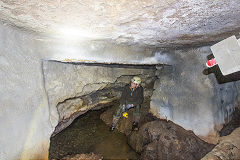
{"points": [[88, 133]]}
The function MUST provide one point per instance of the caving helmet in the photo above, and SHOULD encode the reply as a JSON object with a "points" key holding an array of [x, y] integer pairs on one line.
{"points": [[136, 80]]}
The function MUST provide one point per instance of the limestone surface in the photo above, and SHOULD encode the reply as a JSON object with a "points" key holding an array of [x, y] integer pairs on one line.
{"points": [[192, 96], [24, 112], [147, 22]]}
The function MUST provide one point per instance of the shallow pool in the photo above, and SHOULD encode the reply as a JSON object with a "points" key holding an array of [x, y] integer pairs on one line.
{"points": [[88, 133]]}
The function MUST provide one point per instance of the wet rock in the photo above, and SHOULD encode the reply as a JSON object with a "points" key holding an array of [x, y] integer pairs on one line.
{"points": [[228, 148], [90, 156], [165, 140]]}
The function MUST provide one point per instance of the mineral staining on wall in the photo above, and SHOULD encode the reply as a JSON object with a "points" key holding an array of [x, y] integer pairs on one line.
{"points": [[184, 95]]}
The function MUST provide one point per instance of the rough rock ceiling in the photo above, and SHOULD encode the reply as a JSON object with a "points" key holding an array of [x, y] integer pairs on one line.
{"points": [[145, 22]]}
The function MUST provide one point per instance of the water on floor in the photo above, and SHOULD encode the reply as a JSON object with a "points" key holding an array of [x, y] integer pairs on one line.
{"points": [[88, 133]]}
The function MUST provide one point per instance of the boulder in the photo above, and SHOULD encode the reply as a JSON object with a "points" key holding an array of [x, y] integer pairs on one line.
{"points": [[161, 139], [228, 148]]}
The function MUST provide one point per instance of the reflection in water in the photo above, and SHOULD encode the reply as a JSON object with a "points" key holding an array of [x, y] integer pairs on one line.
{"points": [[88, 133]]}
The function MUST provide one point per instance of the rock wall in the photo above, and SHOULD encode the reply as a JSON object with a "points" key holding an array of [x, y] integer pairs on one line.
{"points": [[24, 112], [192, 96], [74, 89]]}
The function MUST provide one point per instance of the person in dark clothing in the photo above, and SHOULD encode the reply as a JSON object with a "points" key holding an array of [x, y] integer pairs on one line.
{"points": [[132, 96]]}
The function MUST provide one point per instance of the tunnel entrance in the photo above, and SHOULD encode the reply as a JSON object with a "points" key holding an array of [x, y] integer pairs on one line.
{"points": [[80, 129], [74, 88]]}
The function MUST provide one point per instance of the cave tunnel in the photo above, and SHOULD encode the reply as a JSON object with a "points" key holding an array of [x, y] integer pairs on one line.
{"points": [[84, 132], [63, 66]]}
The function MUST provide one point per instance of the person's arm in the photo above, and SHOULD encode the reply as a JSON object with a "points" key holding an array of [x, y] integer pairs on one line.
{"points": [[123, 96]]}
